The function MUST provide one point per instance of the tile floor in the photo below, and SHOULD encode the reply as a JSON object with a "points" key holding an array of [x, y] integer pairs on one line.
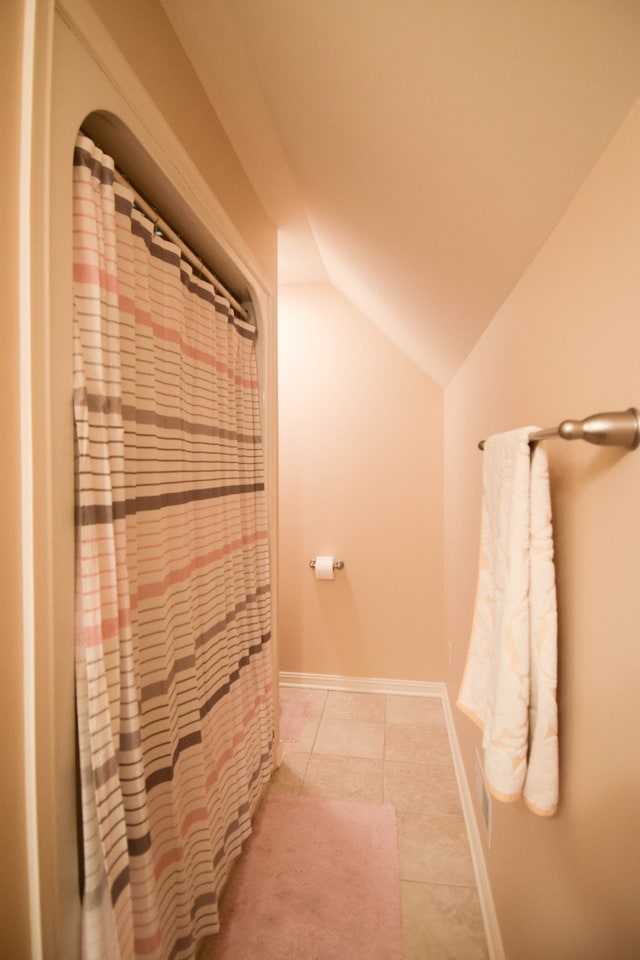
{"points": [[388, 748]]}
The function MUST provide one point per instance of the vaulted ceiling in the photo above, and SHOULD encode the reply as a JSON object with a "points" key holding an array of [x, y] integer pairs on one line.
{"points": [[415, 153]]}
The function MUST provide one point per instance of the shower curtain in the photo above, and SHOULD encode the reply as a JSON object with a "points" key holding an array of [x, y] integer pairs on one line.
{"points": [[173, 661]]}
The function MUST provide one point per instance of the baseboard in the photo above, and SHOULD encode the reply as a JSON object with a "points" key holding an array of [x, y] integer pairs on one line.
{"points": [[408, 688], [490, 920], [426, 689]]}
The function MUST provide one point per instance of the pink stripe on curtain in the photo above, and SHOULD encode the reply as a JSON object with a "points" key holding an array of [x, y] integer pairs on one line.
{"points": [[173, 662]]}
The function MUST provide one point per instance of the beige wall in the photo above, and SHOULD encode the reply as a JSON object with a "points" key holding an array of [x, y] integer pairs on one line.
{"points": [[567, 344], [14, 917], [360, 430]]}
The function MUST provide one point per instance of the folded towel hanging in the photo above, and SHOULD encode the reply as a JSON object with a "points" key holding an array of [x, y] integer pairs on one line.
{"points": [[509, 683]]}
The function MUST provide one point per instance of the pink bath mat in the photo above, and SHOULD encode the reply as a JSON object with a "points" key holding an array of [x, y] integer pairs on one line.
{"points": [[317, 880]]}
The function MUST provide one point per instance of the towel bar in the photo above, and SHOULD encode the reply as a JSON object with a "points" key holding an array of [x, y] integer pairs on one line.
{"points": [[618, 429]]}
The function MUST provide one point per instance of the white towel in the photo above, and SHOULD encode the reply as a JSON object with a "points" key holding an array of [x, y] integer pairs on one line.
{"points": [[509, 683]]}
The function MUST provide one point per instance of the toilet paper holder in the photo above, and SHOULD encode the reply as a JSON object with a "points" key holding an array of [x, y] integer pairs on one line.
{"points": [[337, 564]]}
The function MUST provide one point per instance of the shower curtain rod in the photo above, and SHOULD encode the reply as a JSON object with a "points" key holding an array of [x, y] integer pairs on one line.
{"points": [[618, 429], [163, 227]]}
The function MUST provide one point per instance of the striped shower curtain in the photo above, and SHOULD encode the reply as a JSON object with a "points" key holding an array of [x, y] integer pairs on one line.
{"points": [[173, 661]]}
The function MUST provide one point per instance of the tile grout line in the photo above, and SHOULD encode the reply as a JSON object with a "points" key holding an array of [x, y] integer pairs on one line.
{"points": [[440, 883]]}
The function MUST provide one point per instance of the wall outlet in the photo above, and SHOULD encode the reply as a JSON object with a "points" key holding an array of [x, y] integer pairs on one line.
{"points": [[483, 797]]}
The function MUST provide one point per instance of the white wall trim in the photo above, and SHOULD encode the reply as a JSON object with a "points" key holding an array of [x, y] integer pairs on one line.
{"points": [[29, 92], [487, 906], [426, 689], [362, 684]]}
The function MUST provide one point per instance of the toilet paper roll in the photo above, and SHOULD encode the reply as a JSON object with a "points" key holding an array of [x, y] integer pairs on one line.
{"points": [[324, 568]]}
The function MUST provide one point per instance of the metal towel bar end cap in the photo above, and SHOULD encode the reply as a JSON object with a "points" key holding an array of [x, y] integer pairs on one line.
{"points": [[617, 429], [621, 428], [337, 564]]}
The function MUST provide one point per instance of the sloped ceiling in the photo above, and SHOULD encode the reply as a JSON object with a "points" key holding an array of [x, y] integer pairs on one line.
{"points": [[415, 153]]}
